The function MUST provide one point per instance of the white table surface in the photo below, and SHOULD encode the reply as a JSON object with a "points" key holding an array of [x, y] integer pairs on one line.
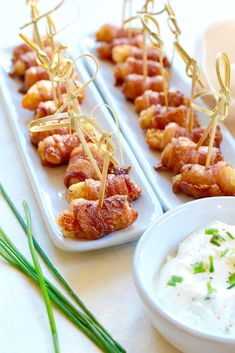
{"points": [[103, 278]]}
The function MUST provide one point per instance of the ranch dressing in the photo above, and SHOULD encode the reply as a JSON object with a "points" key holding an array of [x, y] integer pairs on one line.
{"points": [[193, 285]]}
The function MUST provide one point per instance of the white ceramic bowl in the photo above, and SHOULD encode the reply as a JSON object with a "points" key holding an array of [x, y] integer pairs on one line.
{"points": [[216, 38], [161, 239]]}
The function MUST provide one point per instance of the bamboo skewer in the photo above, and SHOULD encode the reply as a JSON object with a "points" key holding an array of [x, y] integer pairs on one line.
{"points": [[193, 72], [220, 111], [103, 179], [157, 44]]}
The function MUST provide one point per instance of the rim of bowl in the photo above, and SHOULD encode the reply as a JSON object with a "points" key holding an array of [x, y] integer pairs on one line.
{"points": [[141, 288]]}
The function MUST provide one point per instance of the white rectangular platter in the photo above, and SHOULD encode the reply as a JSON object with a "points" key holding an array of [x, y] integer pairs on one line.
{"points": [[47, 183], [147, 158]]}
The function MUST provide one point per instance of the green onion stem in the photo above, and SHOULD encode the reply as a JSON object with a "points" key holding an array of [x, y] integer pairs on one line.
{"points": [[41, 280], [56, 273], [23, 265]]}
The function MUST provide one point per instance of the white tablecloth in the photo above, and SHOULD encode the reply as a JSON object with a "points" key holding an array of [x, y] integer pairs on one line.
{"points": [[102, 278]]}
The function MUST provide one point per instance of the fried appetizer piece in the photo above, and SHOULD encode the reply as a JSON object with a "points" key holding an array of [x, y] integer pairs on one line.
{"points": [[105, 50], [149, 98], [32, 75], [157, 117], [107, 33], [25, 61], [132, 65], [20, 50], [55, 150], [88, 221], [44, 109], [115, 185], [120, 53], [196, 181], [158, 139], [135, 85], [41, 91], [36, 137], [182, 151], [80, 168]]}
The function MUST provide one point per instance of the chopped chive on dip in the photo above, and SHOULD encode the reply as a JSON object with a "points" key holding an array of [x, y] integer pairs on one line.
{"points": [[211, 269], [216, 239], [231, 281], [224, 252], [174, 280], [198, 267], [210, 289], [212, 231], [230, 235]]}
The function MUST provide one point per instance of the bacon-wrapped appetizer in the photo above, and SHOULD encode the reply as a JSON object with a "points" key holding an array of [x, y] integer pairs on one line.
{"points": [[182, 151], [135, 85], [158, 139], [25, 61], [132, 65], [80, 168], [32, 75], [105, 50], [41, 91], [87, 220], [19, 50], [44, 109], [157, 117], [115, 185], [107, 33], [36, 137], [196, 181], [149, 98], [120, 53], [55, 150]]}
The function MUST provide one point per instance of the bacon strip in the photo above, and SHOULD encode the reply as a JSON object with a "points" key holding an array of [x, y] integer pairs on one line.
{"points": [[115, 185]]}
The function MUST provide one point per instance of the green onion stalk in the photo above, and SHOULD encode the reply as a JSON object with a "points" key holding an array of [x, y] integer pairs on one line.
{"points": [[85, 320]]}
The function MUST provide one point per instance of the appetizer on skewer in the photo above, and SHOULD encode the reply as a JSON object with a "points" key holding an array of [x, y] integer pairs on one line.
{"points": [[135, 85], [32, 75], [149, 98], [25, 61], [157, 139], [181, 151], [197, 181], [87, 220], [81, 168], [120, 53], [42, 91], [55, 150], [135, 66], [105, 50], [107, 33], [158, 117]]}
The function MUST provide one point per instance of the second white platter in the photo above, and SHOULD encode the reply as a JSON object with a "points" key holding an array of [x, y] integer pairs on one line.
{"points": [[147, 158]]}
